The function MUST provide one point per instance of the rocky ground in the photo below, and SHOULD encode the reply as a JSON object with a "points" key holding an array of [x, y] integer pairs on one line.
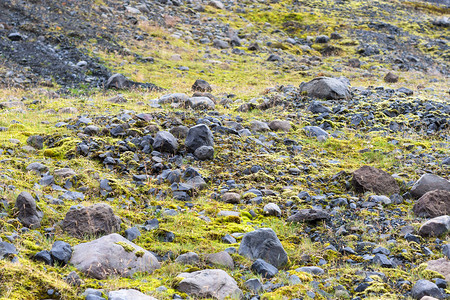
{"points": [[178, 149]]}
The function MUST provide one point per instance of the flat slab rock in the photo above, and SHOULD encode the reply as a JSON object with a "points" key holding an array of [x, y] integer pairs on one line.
{"points": [[213, 283], [112, 255], [309, 215], [371, 179], [433, 204]]}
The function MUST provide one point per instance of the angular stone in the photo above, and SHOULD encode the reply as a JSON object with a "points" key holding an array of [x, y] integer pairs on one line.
{"points": [[263, 243], [280, 125], [263, 268], [201, 85], [61, 252], [165, 142], [112, 255], [425, 288], [271, 209], [95, 220], [327, 88], [189, 258], [199, 135], [200, 103], [29, 215], [368, 178], [211, 283]]}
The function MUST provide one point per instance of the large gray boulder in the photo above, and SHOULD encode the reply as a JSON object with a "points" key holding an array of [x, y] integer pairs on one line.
{"points": [[94, 220], [263, 243], [427, 183], [112, 255], [200, 103], [435, 227], [198, 136], [212, 283], [29, 214], [128, 294], [327, 88]]}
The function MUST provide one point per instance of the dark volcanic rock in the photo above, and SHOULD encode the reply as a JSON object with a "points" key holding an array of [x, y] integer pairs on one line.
{"points": [[429, 182], [433, 204], [201, 85], [391, 77], [425, 288], [29, 214], [36, 141], [327, 88], [308, 215], [198, 136], [263, 243], [368, 178], [120, 82], [98, 219], [263, 268], [7, 250], [165, 142], [61, 252]]}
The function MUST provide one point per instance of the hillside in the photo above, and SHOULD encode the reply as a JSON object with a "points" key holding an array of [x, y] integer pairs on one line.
{"points": [[171, 149]]}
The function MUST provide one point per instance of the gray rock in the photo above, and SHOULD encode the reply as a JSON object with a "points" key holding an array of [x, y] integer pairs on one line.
{"points": [[263, 243], [383, 261], [199, 135], [271, 209], [64, 173], [7, 250], [96, 220], [427, 183], [173, 98], [190, 258], [254, 285], [117, 81], [425, 288], [212, 283], [36, 141], [228, 239], [309, 215], [128, 294], [180, 132], [322, 39], [204, 153], [132, 233], [37, 167], [220, 44], [327, 88], [29, 215], [435, 227], [258, 126], [220, 259], [61, 252], [200, 103], [233, 198], [201, 85], [314, 131], [317, 108], [311, 270], [264, 269], [165, 142], [44, 256], [446, 250], [107, 256], [280, 125]]}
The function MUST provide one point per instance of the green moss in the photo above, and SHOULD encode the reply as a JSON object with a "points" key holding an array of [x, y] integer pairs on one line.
{"points": [[65, 148], [139, 253], [127, 247]]}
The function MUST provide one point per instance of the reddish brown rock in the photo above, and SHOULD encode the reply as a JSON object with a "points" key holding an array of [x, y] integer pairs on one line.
{"points": [[371, 179], [95, 220], [433, 204]]}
